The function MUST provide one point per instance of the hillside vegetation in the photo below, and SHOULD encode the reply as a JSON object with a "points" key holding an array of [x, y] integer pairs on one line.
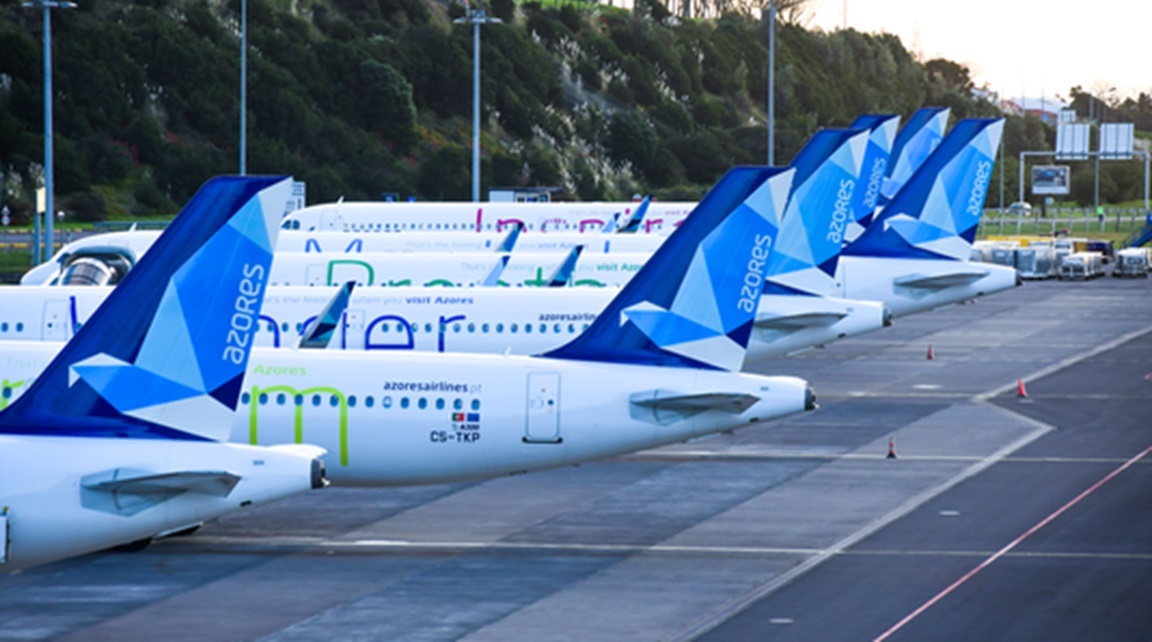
{"points": [[361, 97]]}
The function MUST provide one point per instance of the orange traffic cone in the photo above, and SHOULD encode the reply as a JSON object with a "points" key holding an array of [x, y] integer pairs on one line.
{"points": [[1020, 391], [891, 449], [931, 354]]}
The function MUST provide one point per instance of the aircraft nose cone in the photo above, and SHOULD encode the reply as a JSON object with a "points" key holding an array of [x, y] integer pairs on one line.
{"points": [[810, 399]]}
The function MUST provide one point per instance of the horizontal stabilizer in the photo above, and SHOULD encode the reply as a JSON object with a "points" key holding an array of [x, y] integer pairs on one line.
{"points": [[666, 406], [799, 321], [940, 281], [127, 492]]}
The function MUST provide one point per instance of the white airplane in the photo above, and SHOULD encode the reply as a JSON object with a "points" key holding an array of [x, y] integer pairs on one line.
{"points": [[483, 217], [105, 258], [913, 256], [480, 321], [118, 440], [653, 369]]}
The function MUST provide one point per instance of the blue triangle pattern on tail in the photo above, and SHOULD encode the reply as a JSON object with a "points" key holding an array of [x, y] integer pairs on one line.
{"points": [[165, 354], [694, 301], [818, 212], [937, 212], [883, 129], [914, 144]]}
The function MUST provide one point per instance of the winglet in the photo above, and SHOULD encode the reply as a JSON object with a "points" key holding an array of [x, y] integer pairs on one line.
{"points": [[510, 239], [320, 331], [631, 223], [165, 355], [694, 301], [562, 276], [936, 213], [493, 278]]}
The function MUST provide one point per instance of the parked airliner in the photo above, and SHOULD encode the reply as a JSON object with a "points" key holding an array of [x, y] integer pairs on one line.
{"points": [[483, 217], [118, 440], [654, 368]]}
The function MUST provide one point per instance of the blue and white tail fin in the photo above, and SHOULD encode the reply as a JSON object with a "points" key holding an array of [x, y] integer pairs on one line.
{"points": [[936, 214], [875, 168], [812, 232], [693, 303], [165, 355], [914, 144]]}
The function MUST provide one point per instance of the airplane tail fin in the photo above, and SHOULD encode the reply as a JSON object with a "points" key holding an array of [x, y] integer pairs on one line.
{"points": [[914, 144], [883, 129], [694, 302], [165, 355], [936, 213], [812, 232]]}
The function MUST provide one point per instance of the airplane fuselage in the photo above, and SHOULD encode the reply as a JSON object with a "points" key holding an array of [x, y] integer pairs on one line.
{"points": [[45, 513], [409, 418]]}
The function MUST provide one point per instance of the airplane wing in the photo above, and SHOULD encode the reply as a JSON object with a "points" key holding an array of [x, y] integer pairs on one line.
{"points": [[665, 406], [940, 281]]}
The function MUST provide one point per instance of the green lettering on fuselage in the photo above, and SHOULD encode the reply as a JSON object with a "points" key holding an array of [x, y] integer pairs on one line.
{"points": [[298, 424]]}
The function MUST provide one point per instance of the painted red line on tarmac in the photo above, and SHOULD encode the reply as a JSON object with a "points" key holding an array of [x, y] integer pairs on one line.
{"points": [[1016, 542]]}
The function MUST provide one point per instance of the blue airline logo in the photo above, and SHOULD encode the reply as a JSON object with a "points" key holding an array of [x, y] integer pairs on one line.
{"points": [[707, 309], [954, 201]]}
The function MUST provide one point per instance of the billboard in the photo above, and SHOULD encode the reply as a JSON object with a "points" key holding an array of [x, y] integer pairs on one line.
{"points": [[1051, 179]]}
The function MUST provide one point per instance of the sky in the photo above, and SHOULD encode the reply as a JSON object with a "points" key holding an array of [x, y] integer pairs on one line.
{"points": [[1016, 47]]}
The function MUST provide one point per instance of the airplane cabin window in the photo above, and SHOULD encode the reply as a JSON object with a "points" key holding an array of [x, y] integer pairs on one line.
{"points": [[386, 402], [439, 403], [475, 404], [333, 401], [352, 401], [458, 403], [263, 399], [404, 402], [369, 401], [281, 399], [422, 403], [245, 398]]}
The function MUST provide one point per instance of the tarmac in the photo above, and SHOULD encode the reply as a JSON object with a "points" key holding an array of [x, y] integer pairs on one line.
{"points": [[1000, 516]]}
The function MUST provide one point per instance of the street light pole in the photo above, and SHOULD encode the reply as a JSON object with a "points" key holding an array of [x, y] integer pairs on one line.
{"points": [[243, 87], [771, 82], [476, 17], [49, 211]]}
